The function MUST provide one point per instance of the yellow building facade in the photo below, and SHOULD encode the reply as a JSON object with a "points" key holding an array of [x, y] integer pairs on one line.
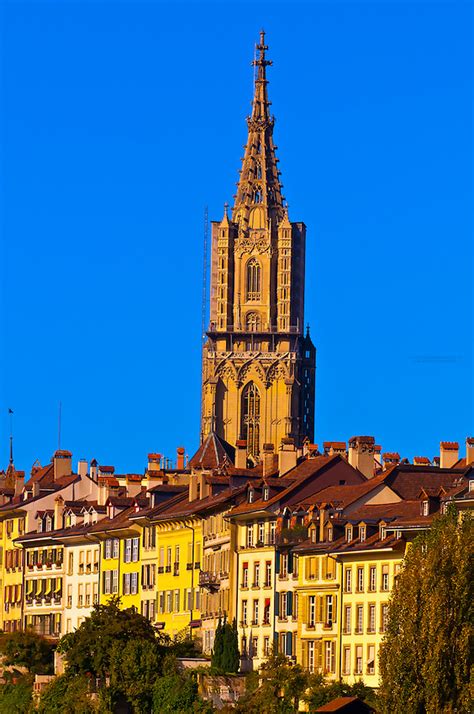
{"points": [[12, 526]]}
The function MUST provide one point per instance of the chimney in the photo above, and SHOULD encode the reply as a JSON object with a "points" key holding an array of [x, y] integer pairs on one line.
{"points": [[421, 461], [240, 454], [268, 450], [361, 454], [93, 473], [180, 458], [62, 463], [322, 521], [287, 456], [58, 512], [469, 450], [449, 454], [154, 461], [193, 485], [82, 468], [103, 492], [19, 482]]}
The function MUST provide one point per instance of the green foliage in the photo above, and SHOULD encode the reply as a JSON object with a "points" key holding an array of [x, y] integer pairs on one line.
{"points": [[176, 692], [67, 694], [282, 685], [426, 660], [16, 698], [226, 656], [90, 647], [27, 649], [321, 692], [134, 668]]}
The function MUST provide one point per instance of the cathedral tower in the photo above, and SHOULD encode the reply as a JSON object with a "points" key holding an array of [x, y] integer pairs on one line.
{"points": [[258, 365]]}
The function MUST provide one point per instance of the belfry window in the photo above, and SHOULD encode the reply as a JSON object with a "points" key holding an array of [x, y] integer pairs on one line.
{"points": [[253, 280], [258, 171], [257, 196], [251, 418], [252, 322]]}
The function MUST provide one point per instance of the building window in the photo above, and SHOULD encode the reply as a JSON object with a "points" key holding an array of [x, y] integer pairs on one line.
{"points": [[362, 533], [256, 575], [372, 578], [360, 580], [250, 535], [312, 611], [245, 575], [371, 623], [284, 565], [254, 652], [266, 646], [255, 613], [371, 659], [283, 605], [329, 610], [115, 548], [244, 612], [330, 657], [253, 280], [346, 660], [384, 618], [348, 580], [384, 577], [359, 618], [268, 573], [347, 619], [261, 533], [311, 656], [251, 418], [358, 660], [252, 322], [272, 532]]}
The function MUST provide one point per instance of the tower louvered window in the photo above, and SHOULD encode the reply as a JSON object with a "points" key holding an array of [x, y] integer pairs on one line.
{"points": [[253, 280], [251, 418]]}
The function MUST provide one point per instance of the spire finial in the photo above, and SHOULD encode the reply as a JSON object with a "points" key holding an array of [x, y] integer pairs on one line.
{"points": [[307, 329], [10, 413], [226, 207]]}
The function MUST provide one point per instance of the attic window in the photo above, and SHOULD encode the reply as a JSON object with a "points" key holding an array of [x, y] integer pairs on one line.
{"points": [[251, 495], [362, 533], [48, 523], [330, 533], [313, 535], [349, 534], [425, 508], [266, 493], [383, 533]]}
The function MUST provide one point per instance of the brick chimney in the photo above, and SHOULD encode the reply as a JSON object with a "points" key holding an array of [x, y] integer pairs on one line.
{"points": [[62, 464], [362, 454], [448, 454], [268, 451], [287, 456], [241, 454], [390, 458], [154, 461], [19, 482], [421, 461], [180, 458], [469, 450]]}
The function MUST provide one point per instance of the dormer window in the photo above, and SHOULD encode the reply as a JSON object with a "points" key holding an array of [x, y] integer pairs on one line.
{"points": [[48, 524], [349, 534], [425, 508], [330, 533], [362, 533], [313, 535], [266, 493], [251, 495], [383, 533]]}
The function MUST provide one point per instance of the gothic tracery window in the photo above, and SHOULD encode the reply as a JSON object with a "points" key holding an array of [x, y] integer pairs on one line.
{"points": [[252, 322], [251, 418], [253, 279]]}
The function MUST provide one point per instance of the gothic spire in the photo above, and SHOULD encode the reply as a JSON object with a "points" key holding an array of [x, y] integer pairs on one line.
{"points": [[259, 183]]}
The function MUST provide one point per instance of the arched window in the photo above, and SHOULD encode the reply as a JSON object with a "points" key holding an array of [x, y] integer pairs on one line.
{"points": [[257, 197], [251, 418], [252, 322], [258, 171], [253, 280]]}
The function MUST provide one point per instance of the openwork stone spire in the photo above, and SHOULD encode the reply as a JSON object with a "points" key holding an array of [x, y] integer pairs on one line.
{"points": [[259, 185]]}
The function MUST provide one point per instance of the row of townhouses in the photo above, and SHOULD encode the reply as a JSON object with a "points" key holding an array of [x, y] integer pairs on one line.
{"points": [[303, 549]]}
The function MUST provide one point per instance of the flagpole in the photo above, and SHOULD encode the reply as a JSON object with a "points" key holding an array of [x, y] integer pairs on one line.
{"points": [[10, 412]]}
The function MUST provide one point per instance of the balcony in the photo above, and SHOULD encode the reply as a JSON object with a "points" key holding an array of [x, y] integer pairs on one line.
{"points": [[209, 580], [292, 536], [264, 330]]}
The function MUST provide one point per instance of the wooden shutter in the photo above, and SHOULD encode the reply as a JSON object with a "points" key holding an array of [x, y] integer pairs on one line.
{"points": [[334, 608], [319, 608]]}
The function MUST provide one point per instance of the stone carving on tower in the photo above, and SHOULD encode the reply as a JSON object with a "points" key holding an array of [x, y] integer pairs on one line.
{"points": [[258, 365]]}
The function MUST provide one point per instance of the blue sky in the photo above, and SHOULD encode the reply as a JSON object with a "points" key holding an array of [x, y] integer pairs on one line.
{"points": [[121, 121]]}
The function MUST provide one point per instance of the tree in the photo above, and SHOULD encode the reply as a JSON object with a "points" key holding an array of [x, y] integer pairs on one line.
{"points": [[68, 694], [16, 698], [134, 668], [321, 692], [27, 649], [176, 692], [230, 656], [276, 689], [218, 650], [88, 650], [425, 659]]}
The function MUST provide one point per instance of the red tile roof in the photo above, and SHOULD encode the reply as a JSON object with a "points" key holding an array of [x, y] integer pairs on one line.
{"points": [[212, 453], [449, 445]]}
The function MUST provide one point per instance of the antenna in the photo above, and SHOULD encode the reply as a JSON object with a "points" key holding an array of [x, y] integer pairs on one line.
{"points": [[204, 274], [10, 413], [59, 425]]}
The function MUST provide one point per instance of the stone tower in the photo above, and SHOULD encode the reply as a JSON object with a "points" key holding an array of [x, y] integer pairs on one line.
{"points": [[258, 365]]}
